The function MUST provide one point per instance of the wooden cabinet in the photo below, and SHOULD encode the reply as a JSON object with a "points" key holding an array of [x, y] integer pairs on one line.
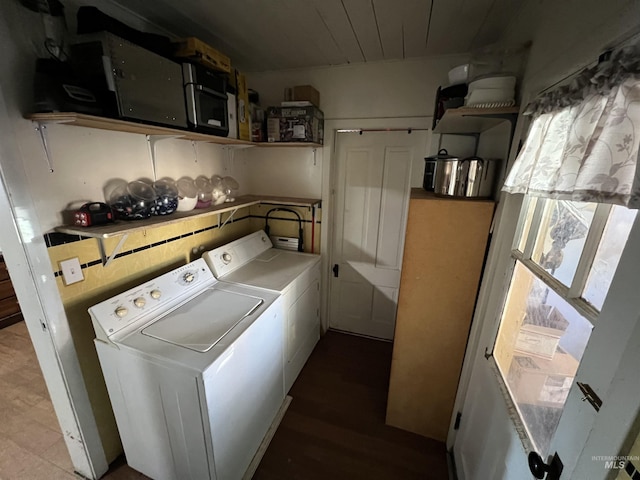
{"points": [[9, 307], [443, 256]]}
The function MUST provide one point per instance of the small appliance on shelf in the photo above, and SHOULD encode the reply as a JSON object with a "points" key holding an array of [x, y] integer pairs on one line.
{"points": [[206, 96], [134, 83]]}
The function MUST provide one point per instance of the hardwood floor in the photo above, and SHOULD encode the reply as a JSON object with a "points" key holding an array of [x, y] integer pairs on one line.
{"points": [[334, 428], [31, 443]]}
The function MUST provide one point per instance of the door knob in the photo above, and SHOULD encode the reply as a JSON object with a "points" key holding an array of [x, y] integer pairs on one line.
{"points": [[539, 468]]}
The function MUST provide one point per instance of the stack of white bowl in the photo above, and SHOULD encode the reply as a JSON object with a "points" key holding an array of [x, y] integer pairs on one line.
{"points": [[492, 91]]}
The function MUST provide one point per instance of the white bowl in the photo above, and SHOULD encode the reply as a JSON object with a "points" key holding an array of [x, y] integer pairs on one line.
{"points": [[505, 82], [459, 74], [186, 204]]}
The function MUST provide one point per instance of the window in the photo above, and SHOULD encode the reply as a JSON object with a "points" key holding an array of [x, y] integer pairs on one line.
{"points": [[565, 255]]}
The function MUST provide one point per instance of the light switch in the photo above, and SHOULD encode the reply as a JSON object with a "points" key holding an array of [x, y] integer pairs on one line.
{"points": [[71, 271]]}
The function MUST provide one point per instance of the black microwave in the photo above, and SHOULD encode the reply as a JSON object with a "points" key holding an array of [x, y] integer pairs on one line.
{"points": [[206, 99]]}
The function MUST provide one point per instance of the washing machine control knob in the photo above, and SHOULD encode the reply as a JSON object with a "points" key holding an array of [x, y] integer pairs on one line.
{"points": [[139, 302], [188, 277], [155, 294], [121, 312], [226, 258]]}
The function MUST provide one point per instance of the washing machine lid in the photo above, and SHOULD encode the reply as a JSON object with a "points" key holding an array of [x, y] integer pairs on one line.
{"points": [[273, 269], [203, 321]]}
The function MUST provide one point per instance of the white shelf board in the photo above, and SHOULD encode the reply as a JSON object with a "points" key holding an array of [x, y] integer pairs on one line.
{"points": [[474, 120]]}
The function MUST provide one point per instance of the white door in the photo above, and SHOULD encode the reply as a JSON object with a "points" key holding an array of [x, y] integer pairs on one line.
{"points": [[372, 188], [504, 411]]}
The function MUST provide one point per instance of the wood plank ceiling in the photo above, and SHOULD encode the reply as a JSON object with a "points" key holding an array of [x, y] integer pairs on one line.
{"points": [[263, 35]]}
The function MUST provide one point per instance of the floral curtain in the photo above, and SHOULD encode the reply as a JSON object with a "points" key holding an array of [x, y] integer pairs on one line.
{"points": [[584, 140]]}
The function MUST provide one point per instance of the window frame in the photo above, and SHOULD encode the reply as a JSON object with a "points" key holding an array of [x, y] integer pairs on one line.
{"points": [[571, 294]]}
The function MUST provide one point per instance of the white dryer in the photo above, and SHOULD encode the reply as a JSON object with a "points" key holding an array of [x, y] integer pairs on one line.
{"points": [[194, 372], [252, 261]]}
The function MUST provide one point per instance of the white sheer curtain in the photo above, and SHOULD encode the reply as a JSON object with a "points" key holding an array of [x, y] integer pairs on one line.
{"points": [[584, 140]]}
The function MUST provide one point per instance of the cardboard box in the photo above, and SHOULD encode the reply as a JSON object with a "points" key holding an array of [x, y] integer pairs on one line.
{"points": [[295, 124], [193, 49], [243, 113], [302, 93]]}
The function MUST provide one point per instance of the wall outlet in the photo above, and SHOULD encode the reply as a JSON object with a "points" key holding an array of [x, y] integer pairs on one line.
{"points": [[71, 271]]}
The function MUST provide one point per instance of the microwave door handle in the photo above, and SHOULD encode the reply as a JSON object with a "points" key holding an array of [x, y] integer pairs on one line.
{"points": [[200, 88]]}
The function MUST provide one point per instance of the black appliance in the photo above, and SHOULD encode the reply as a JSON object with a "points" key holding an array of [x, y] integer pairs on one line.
{"points": [[206, 98], [57, 88], [448, 97]]}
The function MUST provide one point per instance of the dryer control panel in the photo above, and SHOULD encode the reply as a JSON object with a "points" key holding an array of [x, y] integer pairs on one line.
{"points": [[148, 301], [233, 255]]}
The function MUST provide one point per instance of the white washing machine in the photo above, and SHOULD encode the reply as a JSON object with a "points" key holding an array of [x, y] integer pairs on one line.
{"points": [[252, 261], [194, 372]]}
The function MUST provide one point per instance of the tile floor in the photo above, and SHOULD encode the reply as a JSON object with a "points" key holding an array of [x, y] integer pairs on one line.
{"points": [[31, 443]]}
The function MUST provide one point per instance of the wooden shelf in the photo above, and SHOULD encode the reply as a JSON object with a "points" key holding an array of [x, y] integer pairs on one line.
{"points": [[474, 120], [124, 227], [288, 144], [102, 123], [289, 201]]}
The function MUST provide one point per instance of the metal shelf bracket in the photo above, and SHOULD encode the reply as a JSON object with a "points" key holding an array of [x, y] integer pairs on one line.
{"points": [[229, 218], [42, 130], [107, 259], [315, 150], [152, 141]]}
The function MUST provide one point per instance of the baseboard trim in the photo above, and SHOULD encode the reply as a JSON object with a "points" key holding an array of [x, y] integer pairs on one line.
{"points": [[337, 330], [15, 318]]}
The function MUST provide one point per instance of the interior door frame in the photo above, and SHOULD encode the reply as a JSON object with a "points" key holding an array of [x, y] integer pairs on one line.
{"points": [[495, 280], [330, 177], [33, 279]]}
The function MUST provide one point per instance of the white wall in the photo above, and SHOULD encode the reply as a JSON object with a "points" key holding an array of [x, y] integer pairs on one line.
{"points": [[294, 172], [396, 89], [570, 35], [397, 94], [84, 160]]}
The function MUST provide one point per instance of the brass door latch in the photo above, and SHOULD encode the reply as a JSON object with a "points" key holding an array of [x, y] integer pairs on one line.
{"points": [[590, 395]]}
